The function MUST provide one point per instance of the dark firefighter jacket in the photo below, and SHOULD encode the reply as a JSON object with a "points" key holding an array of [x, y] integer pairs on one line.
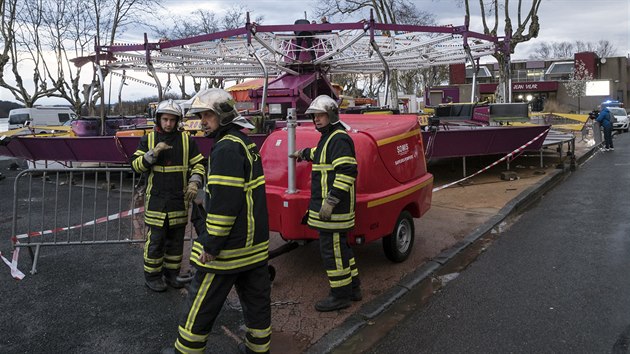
{"points": [[334, 171], [236, 222], [168, 176]]}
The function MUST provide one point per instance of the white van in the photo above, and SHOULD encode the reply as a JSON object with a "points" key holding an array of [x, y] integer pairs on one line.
{"points": [[40, 115]]}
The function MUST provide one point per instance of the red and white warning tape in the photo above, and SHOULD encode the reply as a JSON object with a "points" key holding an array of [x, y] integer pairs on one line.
{"points": [[513, 153], [93, 222], [15, 273]]}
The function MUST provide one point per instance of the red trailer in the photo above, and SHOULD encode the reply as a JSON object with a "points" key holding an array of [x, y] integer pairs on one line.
{"points": [[393, 185]]}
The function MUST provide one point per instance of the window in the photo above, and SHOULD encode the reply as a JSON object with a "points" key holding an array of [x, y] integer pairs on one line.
{"points": [[63, 117], [20, 118], [560, 70]]}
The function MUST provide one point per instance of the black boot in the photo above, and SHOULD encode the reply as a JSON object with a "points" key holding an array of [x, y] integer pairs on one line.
{"points": [[155, 284], [332, 303], [170, 277], [356, 294]]}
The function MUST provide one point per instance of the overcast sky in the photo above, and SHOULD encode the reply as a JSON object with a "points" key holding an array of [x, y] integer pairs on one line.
{"points": [[560, 20]]}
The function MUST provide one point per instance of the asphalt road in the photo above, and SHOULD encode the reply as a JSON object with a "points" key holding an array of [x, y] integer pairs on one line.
{"points": [[88, 299], [555, 282]]}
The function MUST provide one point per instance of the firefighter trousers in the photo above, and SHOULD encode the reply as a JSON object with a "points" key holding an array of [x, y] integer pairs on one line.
{"points": [[206, 296], [338, 259], [163, 251]]}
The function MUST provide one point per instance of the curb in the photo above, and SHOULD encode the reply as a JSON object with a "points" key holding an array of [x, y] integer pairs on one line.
{"points": [[374, 308]]}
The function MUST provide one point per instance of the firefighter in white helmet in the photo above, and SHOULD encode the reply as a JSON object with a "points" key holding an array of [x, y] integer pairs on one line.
{"points": [[234, 249], [175, 170], [331, 209]]}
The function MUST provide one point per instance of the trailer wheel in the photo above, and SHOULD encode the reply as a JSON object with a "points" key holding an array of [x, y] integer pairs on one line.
{"points": [[397, 246]]}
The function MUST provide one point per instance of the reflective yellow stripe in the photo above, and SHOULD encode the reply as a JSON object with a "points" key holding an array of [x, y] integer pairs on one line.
{"points": [[340, 283], [178, 221], [138, 165], [398, 137], [155, 214], [255, 183], [196, 159], [245, 251], [344, 160], [214, 230], [399, 195], [227, 181], [338, 273], [258, 348], [259, 333], [221, 219], [185, 154], [343, 186], [151, 141], [176, 258], [333, 217], [320, 167], [331, 225], [153, 269], [167, 169], [345, 178], [171, 265], [177, 213], [233, 264], [337, 252], [197, 302], [191, 337]]}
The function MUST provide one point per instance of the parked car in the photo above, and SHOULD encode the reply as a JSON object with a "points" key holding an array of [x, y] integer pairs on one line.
{"points": [[619, 118]]}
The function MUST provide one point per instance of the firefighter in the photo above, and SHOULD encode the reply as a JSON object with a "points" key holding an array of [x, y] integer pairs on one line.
{"points": [[168, 157], [234, 250], [331, 208]]}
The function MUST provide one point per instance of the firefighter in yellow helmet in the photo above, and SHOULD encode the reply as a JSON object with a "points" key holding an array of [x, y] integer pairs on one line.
{"points": [[234, 249], [175, 171], [331, 209]]}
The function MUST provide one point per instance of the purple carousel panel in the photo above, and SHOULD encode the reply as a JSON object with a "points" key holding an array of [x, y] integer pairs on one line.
{"points": [[477, 141]]}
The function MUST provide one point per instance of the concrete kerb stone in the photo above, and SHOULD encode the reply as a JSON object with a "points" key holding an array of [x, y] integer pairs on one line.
{"points": [[377, 306], [336, 337]]}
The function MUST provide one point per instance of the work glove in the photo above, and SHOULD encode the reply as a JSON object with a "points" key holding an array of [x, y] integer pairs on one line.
{"points": [[297, 155], [327, 207], [190, 192], [160, 147]]}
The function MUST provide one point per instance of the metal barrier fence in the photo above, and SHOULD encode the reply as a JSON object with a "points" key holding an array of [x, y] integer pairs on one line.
{"points": [[76, 206]]}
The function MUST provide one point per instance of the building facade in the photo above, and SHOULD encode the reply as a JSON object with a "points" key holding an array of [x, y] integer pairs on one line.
{"points": [[543, 84]]}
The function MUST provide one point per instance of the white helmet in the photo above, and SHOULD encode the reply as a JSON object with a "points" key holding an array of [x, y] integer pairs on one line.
{"points": [[222, 104], [325, 104], [169, 107]]}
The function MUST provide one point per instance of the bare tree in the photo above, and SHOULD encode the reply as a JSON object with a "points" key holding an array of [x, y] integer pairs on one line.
{"points": [[566, 50], [26, 49], [390, 12], [525, 28], [203, 22], [576, 86], [8, 9]]}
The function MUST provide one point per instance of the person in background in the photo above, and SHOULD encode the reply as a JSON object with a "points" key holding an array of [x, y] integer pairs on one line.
{"points": [[233, 250], [304, 40], [605, 122], [175, 171], [331, 208], [597, 131]]}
